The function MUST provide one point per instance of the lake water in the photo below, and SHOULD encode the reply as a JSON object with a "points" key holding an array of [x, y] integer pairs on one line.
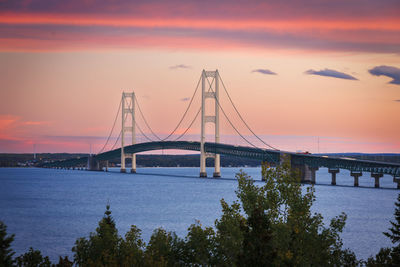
{"points": [[49, 209]]}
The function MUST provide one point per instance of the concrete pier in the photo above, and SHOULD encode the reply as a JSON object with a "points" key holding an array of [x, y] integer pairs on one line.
{"points": [[313, 171], [396, 180], [305, 173], [376, 176], [217, 175], [333, 172], [356, 175]]}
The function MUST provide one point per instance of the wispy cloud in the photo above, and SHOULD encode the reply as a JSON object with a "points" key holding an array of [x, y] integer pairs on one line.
{"points": [[180, 66], [36, 122], [389, 71], [331, 73], [396, 100], [185, 99], [264, 71]]}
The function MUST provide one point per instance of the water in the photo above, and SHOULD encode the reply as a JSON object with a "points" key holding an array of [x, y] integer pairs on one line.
{"points": [[49, 209]]}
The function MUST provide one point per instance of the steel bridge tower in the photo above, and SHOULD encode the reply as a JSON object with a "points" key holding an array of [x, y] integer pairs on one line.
{"points": [[128, 108], [209, 92]]}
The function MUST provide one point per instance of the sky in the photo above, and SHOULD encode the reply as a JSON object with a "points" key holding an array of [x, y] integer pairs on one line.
{"points": [[318, 76]]}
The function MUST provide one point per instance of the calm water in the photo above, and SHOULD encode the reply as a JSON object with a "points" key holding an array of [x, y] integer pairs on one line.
{"points": [[49, 209]]}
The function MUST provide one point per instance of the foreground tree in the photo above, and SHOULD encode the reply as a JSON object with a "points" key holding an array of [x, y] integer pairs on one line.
{"points": [[33, 258], [390, 256], [278, 227], [6, 253]]}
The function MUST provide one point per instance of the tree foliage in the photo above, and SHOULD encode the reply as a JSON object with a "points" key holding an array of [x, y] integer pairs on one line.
{"points": [[33, 258], [390, 256], [6, 253]]}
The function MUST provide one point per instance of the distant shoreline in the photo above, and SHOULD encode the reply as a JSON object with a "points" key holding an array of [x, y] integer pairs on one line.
{"points": [[156, 160]]}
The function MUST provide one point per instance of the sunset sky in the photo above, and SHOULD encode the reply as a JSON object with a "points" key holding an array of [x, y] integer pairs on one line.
{"points": [[322, 76]]}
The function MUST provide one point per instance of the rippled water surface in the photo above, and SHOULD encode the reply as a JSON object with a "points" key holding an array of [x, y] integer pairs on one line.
{"points": [[49, 209]]}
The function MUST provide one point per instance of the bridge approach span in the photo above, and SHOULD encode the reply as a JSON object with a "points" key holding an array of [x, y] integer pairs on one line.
{"points": [[264, 155]]}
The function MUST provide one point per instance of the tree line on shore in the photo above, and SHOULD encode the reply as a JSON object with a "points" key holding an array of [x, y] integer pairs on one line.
{"points": [[268, 225]]}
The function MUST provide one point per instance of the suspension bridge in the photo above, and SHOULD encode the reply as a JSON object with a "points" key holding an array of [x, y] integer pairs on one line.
{"points": [[210, 83]]}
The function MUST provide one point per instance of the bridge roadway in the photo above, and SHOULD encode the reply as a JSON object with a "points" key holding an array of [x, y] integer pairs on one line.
{"points": [[264, 155]]}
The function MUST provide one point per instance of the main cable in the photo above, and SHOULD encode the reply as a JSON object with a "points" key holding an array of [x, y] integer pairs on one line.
{"points": [[145, 121], [197, 114], [233, 126], [237, 131], [184, 114], [112, 129], [180, 121], [240, 116]]}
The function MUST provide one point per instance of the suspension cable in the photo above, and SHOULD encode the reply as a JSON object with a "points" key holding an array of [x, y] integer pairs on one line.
{"points": [[187, 129], [116, 141], [180, 121], [186, 111], [197, 114], [140, 130], [112, 129], [237, 131], [237, 111], [145, 121]]}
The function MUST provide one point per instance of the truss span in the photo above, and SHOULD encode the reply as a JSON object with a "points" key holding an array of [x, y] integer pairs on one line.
{"points": [[271, 156]]}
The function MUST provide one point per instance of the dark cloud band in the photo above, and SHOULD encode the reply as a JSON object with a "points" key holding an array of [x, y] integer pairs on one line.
{"points": [[389, 71], [331, 73], [264, 71]]}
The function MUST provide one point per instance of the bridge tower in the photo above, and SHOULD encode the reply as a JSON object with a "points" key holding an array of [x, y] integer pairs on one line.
{"points": [[128, 108], [208, 93]]}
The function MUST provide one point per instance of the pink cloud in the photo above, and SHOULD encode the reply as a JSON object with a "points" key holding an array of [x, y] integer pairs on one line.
{"points": [[71, 31]]}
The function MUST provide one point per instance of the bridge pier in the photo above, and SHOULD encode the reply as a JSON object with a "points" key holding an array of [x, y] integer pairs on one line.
{"points": [[304, 172], [313, 171], [396, 180], [333, 172], [356, 175], [376, 176], [93, 164], [133, 169]]}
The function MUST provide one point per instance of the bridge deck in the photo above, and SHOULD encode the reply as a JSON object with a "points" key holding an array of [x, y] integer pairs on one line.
{"points": [[271, 156]]}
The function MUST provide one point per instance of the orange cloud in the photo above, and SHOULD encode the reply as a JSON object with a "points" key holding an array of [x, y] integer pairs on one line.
{"points": [[31, 32], [223, 24]]}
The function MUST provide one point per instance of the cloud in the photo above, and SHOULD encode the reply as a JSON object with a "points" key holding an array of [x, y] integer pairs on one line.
{"points": [[264, 71], [180, 66], [78, 31], [36, 122], [388, 71], [185, 99], [331, 73], [396, 100]]}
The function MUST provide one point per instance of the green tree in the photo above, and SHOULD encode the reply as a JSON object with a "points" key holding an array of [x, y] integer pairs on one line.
{"points": [[277, 227], [394, 234], [200, 245], [6, 253], [33, 258], [101, 249], [390, 256], [165, 249], [131, 249], [64, 262]]}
